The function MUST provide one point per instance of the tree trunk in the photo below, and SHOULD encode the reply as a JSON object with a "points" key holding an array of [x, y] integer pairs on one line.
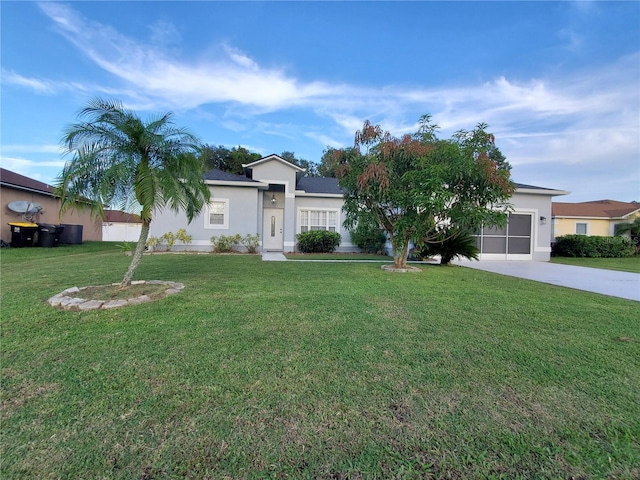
{"points": [[400, 254], [137, 254]]}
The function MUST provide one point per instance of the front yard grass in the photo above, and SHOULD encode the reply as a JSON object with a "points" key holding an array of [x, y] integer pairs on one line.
{"points": [[626, 264], [312, 370]]}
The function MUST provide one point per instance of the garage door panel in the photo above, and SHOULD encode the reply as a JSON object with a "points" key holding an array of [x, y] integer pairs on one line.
{"points": [[520, 225], [494, 245], [519, 245]]}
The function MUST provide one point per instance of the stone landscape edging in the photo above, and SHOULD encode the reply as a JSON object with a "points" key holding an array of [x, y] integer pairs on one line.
{"points": [[69, 299]]}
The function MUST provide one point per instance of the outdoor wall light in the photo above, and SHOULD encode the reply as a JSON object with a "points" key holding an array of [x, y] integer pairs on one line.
{"points": [[273, 200], [543, 220]]}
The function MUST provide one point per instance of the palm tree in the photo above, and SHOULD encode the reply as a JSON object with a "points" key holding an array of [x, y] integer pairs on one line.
{"points": [[121, 161], [633, 229]]}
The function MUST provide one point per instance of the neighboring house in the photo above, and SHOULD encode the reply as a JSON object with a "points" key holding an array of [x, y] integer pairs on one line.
{"points": [[274, 199], [597, 218], [15, 187], [119, 226]]}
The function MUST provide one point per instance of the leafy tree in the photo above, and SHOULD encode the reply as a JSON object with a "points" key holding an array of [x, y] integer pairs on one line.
{"points": [[367, 235], [119, 159], [227, 160], [239, 156], [214, 157], [310, 167], [418, 185], [330, 161]]}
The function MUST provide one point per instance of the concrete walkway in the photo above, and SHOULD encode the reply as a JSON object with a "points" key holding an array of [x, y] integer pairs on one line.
{"points": [[273, 257], [606, 282]]}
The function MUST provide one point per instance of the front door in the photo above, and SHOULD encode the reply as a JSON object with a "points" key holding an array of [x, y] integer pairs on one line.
{"points": [[272, 228]]}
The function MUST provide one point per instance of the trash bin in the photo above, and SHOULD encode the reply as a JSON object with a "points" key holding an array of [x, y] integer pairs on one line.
{"points": [[23, 234], [71, 235], [49, 235]]}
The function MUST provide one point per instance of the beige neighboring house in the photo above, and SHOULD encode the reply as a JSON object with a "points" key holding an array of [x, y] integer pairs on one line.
{"points": [[119, 226], [15, 188], [596, 218]]}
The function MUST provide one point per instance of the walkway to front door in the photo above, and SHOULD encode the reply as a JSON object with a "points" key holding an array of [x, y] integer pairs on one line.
{"points": [[273, 257]]}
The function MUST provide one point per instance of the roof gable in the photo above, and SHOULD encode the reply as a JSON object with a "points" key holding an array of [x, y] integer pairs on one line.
{"points": [[271, 158]]}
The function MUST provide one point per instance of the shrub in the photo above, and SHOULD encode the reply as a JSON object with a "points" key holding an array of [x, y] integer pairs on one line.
{"points": [[318, 241], [152, 242], [594, 247], [450, 244], [183, 237], [225, 243], [251, 242], [369, 237], [169, 239]]}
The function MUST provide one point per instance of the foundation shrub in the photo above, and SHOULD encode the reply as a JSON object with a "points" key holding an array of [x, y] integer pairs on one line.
{"points": [[318, 241]]}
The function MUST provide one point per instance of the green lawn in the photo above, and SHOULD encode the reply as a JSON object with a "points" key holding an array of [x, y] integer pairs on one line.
{"points": [[627, 264], [312, 370]]}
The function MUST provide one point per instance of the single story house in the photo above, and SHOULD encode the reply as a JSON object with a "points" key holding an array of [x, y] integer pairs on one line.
{"points": [[597, 218], [275, 200], [15, 188]]}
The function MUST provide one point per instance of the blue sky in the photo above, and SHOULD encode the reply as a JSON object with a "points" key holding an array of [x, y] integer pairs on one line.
{"points": [[557, 82]]}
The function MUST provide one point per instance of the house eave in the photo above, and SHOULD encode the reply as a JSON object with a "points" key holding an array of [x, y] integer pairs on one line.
{"points": [[259, 185], [302, 193], [537, 191], [27, 189]]}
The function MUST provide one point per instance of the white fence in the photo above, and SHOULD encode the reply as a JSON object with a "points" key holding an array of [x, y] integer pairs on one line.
{"points": [[121, 232]]}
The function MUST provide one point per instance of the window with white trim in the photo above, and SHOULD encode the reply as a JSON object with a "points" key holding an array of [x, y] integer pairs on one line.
{"points": [[311, 219], [217, 215], [581, 228]]}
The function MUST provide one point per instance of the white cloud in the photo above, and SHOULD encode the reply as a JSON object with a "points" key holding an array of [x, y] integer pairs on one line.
{"points": [[164, 32], [43, 170], [585, 118], [39, 86], [57, 149]]}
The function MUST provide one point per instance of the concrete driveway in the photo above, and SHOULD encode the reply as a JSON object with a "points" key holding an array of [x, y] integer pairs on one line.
{"points": [[607, 282]]}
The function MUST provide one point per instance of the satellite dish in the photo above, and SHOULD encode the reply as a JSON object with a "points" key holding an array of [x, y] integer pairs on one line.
{"points": [[21, 206]]}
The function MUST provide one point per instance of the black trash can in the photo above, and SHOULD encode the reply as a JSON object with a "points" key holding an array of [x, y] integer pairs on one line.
{"points": [[23, 234], [71, 235], [49, 235]]}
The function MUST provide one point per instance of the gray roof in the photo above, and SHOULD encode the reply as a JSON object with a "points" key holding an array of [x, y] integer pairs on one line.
{"points": [[532, 187], [216, 174], [319, 185]]}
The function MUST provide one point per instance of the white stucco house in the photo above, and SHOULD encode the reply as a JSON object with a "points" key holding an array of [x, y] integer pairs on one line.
{"points": [[276, 201]]}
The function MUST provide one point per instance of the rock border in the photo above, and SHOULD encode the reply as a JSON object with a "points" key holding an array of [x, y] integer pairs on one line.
{"points": [[70, 299], [407, 269]]}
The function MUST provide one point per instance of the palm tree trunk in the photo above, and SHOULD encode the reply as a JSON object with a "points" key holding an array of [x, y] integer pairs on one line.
{"points": [[137, 254]]}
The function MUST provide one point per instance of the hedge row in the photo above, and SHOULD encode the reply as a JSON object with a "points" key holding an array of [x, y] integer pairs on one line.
{"points": [[594, 247]]}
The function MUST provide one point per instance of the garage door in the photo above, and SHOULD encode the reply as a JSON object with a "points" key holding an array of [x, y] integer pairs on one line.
{"points": [[512, 242]]}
